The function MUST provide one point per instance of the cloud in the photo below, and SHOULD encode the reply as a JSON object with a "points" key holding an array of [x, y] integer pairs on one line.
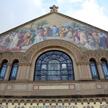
{"points": [[76, 0], [64, 1], [18, 12], [91, 13], [38, 2], [60, 1]]}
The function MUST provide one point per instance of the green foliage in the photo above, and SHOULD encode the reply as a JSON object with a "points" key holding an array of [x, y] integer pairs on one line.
{"points": [[74, 24], [40, 24], [31, 26]]}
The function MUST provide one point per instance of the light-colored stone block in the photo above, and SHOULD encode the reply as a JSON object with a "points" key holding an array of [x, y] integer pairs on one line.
{"points": [[9, 87], [35, 87], [56, 87], [98, 86], [72, 86]]}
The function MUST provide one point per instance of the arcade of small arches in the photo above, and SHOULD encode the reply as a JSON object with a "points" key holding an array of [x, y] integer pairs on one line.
{"points": [[62, 101], [54, 60], [58, 66]]}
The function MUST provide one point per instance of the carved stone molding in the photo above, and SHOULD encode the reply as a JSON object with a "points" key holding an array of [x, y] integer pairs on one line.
{"points": [[11, 56], [24, 64], [9, 64], [54, 100], [83, 63], [97, 55], [99, 63], [57, 44], [81, 57]]}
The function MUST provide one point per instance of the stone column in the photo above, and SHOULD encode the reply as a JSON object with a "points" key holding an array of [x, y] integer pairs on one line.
{"points": [[89, 71], [19, 71], [28, 71], [100, 71], [79, 71], [31, 75], [23, 72], [84, 69], [8, 71]]}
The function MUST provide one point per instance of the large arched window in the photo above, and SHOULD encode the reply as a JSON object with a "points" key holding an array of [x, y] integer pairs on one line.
{"points": [[53, 66], [3, 70], [94, 70], [14, 71], [105, 68]]}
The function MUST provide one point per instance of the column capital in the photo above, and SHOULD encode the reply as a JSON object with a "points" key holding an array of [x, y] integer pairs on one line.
{"points": [[9, 64], [99, 63]]}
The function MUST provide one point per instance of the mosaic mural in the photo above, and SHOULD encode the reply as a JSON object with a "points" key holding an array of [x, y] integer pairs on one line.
{"points": [[83, 36]]}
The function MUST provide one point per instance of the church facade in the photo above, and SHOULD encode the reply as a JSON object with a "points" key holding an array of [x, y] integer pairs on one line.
{"points": [[54, 61]]}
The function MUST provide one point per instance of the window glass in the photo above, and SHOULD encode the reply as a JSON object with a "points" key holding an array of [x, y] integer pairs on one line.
{"points": [[105, 68], [94, 70], [53, 66], [3, 70], [14, 71]]}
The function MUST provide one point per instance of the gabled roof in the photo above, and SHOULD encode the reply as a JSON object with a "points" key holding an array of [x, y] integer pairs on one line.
{"points": [[36, 19], [54, 25]]}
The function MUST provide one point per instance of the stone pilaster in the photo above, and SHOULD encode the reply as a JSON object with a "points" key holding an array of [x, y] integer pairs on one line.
{"points": [[28, 72], [8, 71], [19, 71], [100, 71], [84, 69]]}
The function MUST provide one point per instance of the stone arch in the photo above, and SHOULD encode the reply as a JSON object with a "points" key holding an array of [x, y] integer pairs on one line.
{"points": [[28, 101], [3, 60], [59, 101], [53, 101], [13, 60], [47, 101], [16, 101], [54, 44], [91, 55], [93, 58], [103, 55], [85, 101], [97, 100], [72, 101], [10, 56], [22, 101], [40, 101], [103, 58], [91, 100], [4, 101], [34, 101], [66, 101], [6, 55], [104, 100], [79, 101], [10, 101], [35, 51]]}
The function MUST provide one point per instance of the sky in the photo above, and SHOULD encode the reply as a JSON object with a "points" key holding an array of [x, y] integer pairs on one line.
{"points": [[17, 12]]}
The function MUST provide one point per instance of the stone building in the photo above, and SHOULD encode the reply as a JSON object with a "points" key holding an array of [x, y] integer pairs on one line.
{"points": [[54, 61]]}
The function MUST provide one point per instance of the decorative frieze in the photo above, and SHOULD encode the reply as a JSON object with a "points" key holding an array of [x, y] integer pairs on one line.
{"points": [[54, 103], [24, 64]]}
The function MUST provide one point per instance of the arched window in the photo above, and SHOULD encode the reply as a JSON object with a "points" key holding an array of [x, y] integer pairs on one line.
{"points": [[3, 70], [94, 70], [105, 68], [53, 66], [14, 71]]}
